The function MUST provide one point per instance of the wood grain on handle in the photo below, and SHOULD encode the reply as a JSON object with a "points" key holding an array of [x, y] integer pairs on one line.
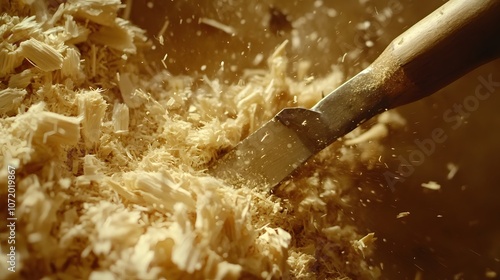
{"points": [[456, 38]]}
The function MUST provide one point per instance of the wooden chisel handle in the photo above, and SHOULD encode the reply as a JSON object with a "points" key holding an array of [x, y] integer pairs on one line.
{"points": [[453, 40], [456, 38]]}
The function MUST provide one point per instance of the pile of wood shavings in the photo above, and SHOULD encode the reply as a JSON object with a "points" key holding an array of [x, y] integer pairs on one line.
{"points": [[111, 161]]}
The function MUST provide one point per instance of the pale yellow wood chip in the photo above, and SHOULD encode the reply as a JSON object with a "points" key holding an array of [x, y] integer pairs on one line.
{"points": [[490, 274], [452, 170], [376, 132], [392, 118], [102, 275], [42, 55], [99, 11], [132, 96], [362, 244], [10, 98], [223, 27], [158, 189], [162, 32], [118, 37], [71, 64], [402, 215], [431, 186], [91, 107], [21, 80], [226, 270], [120, 118], [303, 68], [57, 129], [9, 59]]}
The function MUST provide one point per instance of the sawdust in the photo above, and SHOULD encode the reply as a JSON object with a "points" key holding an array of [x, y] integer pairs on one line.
{"points": [[111, 160]]}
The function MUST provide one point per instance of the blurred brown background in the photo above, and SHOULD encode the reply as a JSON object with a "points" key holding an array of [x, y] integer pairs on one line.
{"points": [[451, 233]]}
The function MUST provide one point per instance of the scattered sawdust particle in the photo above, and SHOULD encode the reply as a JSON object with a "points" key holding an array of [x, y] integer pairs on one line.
{"points": [[491, 274], [452, 170], [121, 118], [362, 244], [431, 185], [91, 107], [402, 215], [164, 27], [114, 157]]}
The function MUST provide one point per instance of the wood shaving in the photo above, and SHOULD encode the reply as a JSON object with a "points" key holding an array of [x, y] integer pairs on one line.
{"points": [[21, 80], [362, 244], [117, 36], [377, 131], [392, 118], [490, 274], [10, 99], [121, 118], [112, 159], [91, 107]]}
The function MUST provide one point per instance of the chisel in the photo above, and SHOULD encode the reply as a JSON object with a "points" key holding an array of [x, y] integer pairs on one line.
{"points": [[450, 42]]}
